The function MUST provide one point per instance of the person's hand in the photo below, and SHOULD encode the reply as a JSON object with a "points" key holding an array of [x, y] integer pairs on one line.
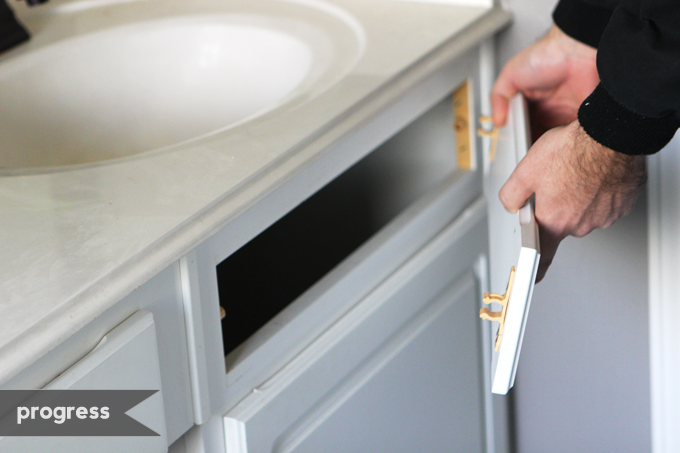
{"points": [[579, 185], [555, 74]]}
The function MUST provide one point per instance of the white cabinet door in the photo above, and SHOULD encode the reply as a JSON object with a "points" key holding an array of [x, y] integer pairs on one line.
{"points": [[513, 244], [400, 371]]}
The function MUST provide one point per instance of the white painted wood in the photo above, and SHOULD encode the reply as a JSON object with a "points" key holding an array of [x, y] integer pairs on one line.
{"points": [[513, 242], [126, 358], [235, 436], [345, 370], [195, 337], [505, 240], [515, 321], [664, 286], [205, 438]]}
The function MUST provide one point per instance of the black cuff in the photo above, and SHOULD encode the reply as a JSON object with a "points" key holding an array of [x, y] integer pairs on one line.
{"points": [[582, 21], [616, 127]]}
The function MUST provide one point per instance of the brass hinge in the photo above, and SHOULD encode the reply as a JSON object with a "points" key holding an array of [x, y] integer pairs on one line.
{"points": [[499, 316]]}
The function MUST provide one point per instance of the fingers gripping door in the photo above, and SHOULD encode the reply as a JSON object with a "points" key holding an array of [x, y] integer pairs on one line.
{"points": [[514, 252]]}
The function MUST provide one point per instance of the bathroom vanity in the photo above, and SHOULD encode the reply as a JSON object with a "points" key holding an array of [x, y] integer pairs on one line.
{"points": [[344, 224]]}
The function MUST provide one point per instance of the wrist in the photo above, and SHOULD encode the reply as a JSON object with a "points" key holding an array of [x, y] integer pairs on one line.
{"points": [[611, 167]]}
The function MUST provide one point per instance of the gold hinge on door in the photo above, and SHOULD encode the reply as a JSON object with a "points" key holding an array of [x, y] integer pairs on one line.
{"points": [[499, 316]]}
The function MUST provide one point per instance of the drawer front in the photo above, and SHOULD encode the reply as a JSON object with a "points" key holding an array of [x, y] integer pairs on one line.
{"points": [[400, 371], [162, 297], [125, 359]]}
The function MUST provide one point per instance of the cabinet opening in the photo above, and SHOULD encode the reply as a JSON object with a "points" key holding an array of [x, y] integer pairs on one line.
{"points": [[272, 270]]}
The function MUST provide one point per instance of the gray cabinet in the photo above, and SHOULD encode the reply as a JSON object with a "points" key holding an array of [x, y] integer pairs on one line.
{"points": [[386, 352], [125, 359], [161, 296]]}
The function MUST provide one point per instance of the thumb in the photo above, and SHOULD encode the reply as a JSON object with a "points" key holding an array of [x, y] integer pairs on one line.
{"points": [[516, 191], [503, 90], [499, 109]]}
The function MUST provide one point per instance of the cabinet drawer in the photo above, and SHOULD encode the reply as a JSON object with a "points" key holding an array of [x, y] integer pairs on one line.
{"points": [[162, 297], [125, 359], [401, 370]]}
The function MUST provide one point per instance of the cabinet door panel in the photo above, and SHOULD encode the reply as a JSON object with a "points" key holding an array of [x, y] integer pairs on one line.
{"points": [[513, 243], [399, 371], [417, 392]]}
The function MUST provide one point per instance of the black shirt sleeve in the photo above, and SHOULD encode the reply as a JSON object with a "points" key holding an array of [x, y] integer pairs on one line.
{"points": [[584, 20], [11, 32], [636, 107]]}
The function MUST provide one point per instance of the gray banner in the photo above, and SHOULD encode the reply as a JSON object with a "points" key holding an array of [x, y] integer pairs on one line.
{"points": [[71, 413]]}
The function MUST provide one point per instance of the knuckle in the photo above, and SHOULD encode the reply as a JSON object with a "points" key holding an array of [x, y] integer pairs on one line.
{"points": [[607, 223], [582, 230]]}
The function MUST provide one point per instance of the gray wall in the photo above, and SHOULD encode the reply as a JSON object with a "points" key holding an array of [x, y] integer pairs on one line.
{"points": [[583, 378]]}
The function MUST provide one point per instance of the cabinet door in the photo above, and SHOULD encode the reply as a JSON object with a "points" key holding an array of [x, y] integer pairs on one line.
{"points": [[400, 371], [513, 244]]}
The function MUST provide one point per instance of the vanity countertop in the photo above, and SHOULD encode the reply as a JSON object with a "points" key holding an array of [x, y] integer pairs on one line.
{"points": [[75, 242]]}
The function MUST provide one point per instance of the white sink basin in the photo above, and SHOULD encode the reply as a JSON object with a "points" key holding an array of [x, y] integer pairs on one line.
{"points": [[136, 87]]}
